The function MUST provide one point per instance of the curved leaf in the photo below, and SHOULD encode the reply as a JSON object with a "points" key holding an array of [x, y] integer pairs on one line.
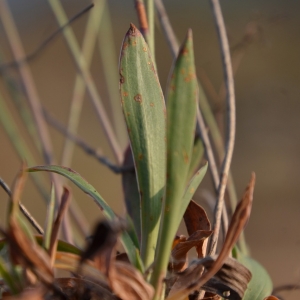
{"points": [[191, 189], [144, 111], [260, 286], [181, 122], [90, 190]]}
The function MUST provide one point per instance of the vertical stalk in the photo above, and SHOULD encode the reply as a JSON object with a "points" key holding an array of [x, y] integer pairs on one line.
{"points": [[86, 76], [230, 100]]}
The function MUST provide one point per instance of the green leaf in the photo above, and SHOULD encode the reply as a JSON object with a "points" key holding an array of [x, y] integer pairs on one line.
{"points": [[131, 193], [181, 122], [90, 190], [190, 190], [9, 278], [260, 286], [144, 111], [62, 246], [197, 155], [49, 219]]}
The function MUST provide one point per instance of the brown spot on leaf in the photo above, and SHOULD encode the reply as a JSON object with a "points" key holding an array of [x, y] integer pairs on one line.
{"points": [[145, 49], [122, 79], [138, 98], [184, 51], [125, 94], [125, 45], [151, 104], [185, 157], [140, 156]]}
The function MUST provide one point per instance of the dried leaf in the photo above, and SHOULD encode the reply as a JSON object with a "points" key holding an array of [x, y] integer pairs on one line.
{"points": [[128, 283], [35, 293], [23, 248], [179, 253], [79, 288], [195, 218], [103, 243], [230, 282], [237, 224], [65, 200]]}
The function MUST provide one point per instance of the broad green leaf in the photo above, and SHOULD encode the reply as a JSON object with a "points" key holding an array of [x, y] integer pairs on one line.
{"points": [[144, 111], [190, 191], [260, 286], [90, 190], [181, 122]]}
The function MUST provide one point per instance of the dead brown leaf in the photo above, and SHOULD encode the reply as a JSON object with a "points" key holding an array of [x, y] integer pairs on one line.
{"points": [[65, 200], [179, 259], [23, 249], [195, 218], [128, 283], [36, 293], [237, 224]]}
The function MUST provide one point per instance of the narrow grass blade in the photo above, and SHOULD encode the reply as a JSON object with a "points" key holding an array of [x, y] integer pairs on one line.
{"points": [[18, 142], [197, 155], [49, 219], [109, 60], [144, 111], [90, 190], [190, 191], [181, 122]]}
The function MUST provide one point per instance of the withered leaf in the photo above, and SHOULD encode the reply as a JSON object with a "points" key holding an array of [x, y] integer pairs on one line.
{"points": [[179, 253], [195, 218], [128, 283], [23, 248], [36, 293], [81, 289], [65, 200], [230, 282], [237, 224]]}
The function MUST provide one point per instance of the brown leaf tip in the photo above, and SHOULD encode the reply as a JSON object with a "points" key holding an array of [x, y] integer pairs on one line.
{"points": [[132, 29]]}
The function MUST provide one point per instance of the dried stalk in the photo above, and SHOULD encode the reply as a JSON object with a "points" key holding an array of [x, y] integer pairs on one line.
{"points": [[230, 99], [32, 95], [23, 209]]}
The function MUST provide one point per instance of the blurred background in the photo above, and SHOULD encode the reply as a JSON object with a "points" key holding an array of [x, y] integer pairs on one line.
{"points": [[266, 39]]}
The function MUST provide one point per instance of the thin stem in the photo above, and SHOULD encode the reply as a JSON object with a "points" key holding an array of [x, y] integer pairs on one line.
{"points": [[151, 19], [23, 209], [46, 42], [230, 99], [32, 95], [142, 16], [86, 75], [109, 59], [88, 46], [84, 146], [167, 27]]}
